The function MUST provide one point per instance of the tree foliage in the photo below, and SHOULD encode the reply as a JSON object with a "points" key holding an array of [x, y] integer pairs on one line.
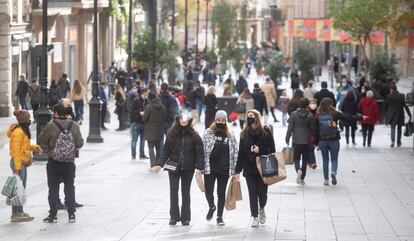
{"points": [[272, 63], [382, 67], [224, 17], [166, 53], [119, 9], [143, 50], [305, 57]]}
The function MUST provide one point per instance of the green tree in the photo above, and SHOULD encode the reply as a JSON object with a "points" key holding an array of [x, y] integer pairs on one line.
{"points": [[224, 17], [272, 63], [143, 50], [358, 18], [166, 53], [305, 57], [382, 67], [119, 9]]}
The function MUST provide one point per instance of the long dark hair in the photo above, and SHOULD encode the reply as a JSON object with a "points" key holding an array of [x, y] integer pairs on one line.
{"points": [[25, 128], [175, 132]]}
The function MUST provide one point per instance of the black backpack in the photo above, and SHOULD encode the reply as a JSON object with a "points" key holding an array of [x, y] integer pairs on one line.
{"points": [[171, 105]]}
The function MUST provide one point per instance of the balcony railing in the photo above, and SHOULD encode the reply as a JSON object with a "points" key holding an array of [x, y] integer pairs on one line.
{"points": [[37, 4]]}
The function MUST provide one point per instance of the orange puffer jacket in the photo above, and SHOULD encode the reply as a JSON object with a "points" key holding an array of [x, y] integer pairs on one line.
{"points": [[20, 147]]}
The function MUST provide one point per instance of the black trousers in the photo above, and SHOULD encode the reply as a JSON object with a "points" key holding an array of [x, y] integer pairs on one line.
{"points": [[352, 129], [209, 182], [186, 178], [301, 150], [272, 111], [57, 171], [257, 193], [367, 131], [103, 113], [154, 146]]}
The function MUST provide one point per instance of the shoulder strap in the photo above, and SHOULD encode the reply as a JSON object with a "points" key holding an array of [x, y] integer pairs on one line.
{"points": [[61, 127]]}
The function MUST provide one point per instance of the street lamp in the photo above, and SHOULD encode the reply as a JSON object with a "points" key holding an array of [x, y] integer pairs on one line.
{"points": [[186, 26], [198, 23], [207, 25], [129, 47], [43, 114], [95, 102]]}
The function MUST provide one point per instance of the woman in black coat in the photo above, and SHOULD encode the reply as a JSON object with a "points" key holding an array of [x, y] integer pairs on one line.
{"points": [[256, 139], [185, 147], [210, 101], [349, 106]]}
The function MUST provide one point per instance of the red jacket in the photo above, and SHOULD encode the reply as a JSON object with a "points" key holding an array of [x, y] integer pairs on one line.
{"points": [[369, 107]]}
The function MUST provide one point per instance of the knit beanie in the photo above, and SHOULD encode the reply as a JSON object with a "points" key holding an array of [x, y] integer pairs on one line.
{"points": [[22, 116], [221, 115], [370, 94]]}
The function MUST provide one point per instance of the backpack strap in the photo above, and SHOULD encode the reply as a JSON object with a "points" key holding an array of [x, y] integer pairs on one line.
{"points": [[61, 127]]}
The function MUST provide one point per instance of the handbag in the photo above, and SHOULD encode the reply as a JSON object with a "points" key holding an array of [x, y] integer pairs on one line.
{"points": [[233, 195], [268, 165], [171, 166], [273, 179], [9, 186], [288, 155], [200, 181], [409, 128], [240, 108]]}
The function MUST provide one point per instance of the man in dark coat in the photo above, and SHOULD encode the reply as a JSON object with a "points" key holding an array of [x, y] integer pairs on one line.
{"points": [[241, 84], [325, 93], [21, 92], [259, 98], [155, 115], [395, 105]]}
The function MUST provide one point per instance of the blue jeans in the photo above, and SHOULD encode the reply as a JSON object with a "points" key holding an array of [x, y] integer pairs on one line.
{"points": [[137, 130], [200, 108], [23, 176], [79, 110], [329, 147], [398, 127], [23, 102], [284, 118]]}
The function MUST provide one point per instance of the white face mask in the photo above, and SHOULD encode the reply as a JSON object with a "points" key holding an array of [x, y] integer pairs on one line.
{"points": [[313, 106]]}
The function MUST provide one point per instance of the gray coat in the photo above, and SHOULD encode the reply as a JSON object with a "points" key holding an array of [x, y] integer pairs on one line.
{"points": [[395, 104], [155, 114], [300, 127]]}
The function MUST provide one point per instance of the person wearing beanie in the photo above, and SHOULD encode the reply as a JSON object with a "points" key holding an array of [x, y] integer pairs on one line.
{"points": [[183, 147], [368, 107], [21, 156], [155, 115], [324, 93], [220, 158]]}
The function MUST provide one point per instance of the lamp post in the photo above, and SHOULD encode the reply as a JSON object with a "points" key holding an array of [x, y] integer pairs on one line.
{"points": [[43, 114], [186, 26], [172, 21], [95, 103], [197, 29], [129, 47], [207, 25]]}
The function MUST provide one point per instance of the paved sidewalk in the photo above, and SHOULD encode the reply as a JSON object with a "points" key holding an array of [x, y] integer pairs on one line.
{"points": [[374, 199]]}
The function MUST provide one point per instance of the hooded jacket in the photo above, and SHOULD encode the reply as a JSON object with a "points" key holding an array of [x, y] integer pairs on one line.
{"points": [[369, 107], [300, 127], [20, 147], [155, 114]]}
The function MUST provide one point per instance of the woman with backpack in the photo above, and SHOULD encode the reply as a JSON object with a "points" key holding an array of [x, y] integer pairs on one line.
{"points": [[21, 156], [77, 96], [183, 149], [120, 106], [220, 158], [255, 139], [327, 136]]}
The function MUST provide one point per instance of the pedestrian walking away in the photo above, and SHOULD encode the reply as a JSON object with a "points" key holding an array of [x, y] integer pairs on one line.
{"points": [[120, 109], [255, 139], [220, 158], [369, 107], [300, 129], [349, 106], [211, 106], [155, 115], [63, 139], [260, 102], [21, 156], [184, 149], [21, 92], [327, 137], [78, 97], [269, 91], [282, 105]]}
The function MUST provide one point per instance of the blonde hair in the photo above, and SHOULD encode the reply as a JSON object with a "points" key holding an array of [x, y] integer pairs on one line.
{"points": [[213, 128], [211, 90], [259, 123]]}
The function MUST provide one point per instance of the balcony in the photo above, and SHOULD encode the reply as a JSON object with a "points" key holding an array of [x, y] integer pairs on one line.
{"points": [[54, 7]]}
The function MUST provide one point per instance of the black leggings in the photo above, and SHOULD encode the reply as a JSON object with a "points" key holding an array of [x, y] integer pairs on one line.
{"points": [[301, 150], [272, 110], [257, 193], [186, 178], [353, 129], [209, 181], [367, 130]]}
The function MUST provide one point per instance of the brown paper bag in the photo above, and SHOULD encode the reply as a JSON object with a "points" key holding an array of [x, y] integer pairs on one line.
{"points": [[274, 179], [288, 155], [233, 194], [200, 181]]}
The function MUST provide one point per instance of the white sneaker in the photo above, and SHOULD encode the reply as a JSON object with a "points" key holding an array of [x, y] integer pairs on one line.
{"points": [[326, 183], [299, 177], [255, 223], [262, 216]]}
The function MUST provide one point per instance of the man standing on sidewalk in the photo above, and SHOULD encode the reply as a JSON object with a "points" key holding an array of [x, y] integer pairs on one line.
{"points": [[63, 139]]}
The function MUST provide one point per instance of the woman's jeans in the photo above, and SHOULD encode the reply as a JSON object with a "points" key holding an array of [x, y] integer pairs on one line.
{"points": [[23, 176], [79, 109], [23, 102], [329, 148], [186, 179], [137, 130], [210, 181], [398, 127]]}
